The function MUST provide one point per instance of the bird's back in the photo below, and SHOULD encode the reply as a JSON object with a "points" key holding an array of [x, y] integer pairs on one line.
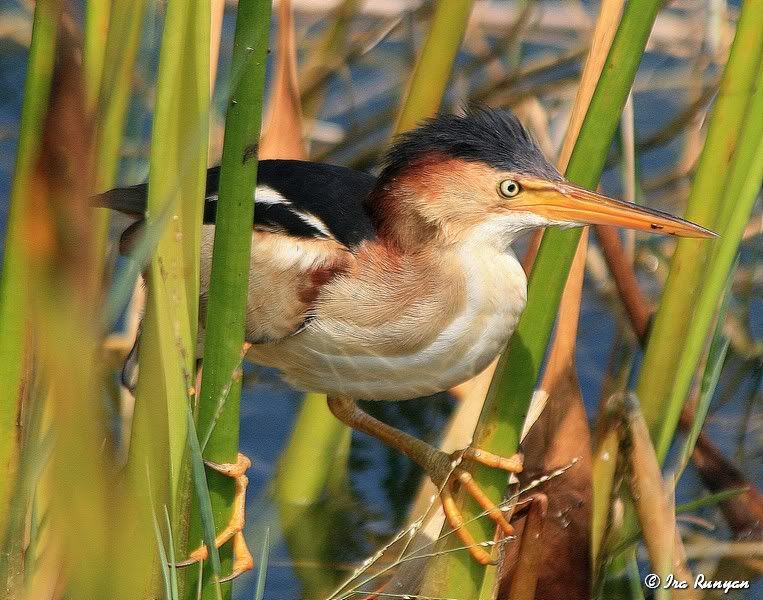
{"points": [[297, 198]]}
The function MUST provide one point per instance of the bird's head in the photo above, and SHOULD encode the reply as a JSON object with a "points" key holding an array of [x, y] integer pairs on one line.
{"points": [[482, 174]]}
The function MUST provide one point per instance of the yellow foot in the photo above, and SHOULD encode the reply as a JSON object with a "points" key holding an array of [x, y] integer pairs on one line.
{"points": [[461, 477], [242, 557]]}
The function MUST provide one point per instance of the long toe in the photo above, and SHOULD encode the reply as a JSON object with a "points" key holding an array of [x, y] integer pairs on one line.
{"points": [[446, 472], [490, 508], [242, 558], [510, 464], [456, 521]]}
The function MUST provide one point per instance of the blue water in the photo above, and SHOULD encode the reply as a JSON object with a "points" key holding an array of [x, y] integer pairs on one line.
{"points": [[380, 481]]}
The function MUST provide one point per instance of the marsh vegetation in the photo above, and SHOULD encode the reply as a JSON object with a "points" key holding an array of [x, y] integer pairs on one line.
{"points": [[632, 382]]}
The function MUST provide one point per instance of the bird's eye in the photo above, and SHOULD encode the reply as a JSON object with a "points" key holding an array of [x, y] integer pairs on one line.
{"points": [[509, 188]]}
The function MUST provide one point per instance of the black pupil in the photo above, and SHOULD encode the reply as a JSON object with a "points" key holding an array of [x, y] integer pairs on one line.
{"points": [[511, 188]]}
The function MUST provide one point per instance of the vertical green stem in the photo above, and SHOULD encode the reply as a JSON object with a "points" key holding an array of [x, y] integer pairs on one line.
{"points": [[97, 16], [689, 262], [230, 259], [678, 335], [328, 441], [95, 43], [432, 73], [126, 19], [743, 185], [13, 276], [109, 66], [176, 185]]}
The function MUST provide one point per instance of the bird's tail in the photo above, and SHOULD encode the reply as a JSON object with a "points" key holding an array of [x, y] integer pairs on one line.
{"points": [[129, 200]]}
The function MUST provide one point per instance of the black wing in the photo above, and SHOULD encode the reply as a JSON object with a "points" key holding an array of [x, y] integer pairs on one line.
{"points": [[299, 198]]}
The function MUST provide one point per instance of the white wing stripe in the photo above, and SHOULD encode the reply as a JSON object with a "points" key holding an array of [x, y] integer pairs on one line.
{"points": [[267, 195], [313, 222]]}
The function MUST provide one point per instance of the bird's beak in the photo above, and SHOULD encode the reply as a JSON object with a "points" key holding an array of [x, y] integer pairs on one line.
{"points": [[566, 202]]}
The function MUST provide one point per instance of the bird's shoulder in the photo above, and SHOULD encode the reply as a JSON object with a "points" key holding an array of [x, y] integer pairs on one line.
{"points": [[306, 200]]}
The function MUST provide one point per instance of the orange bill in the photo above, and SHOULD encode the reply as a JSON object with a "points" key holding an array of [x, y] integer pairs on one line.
{"points": [[566, 202]]}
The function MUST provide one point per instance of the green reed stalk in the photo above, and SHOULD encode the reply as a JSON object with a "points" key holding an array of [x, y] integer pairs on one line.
{"points": [[74, 488], [112, 38], [94, 48], [329, 443], [97, 17], [519, 367], [689, 263], [432, 73], [736, 203], [670, 362], [230, 259], [177, 180], [13, 276], [122, 44]]}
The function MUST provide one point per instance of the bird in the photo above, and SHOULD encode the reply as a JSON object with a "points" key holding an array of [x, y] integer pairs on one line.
{"points": [[406, 284]]}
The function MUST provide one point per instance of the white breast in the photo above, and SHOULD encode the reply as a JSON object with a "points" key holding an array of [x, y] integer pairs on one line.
{"points": [[496, 295]]}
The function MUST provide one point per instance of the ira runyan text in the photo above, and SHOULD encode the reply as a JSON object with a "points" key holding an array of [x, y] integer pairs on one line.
{"points": [[702, 583]]}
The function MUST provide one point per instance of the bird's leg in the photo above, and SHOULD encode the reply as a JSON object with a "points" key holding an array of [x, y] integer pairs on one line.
{"points": [[242, 557], [441, 467]]}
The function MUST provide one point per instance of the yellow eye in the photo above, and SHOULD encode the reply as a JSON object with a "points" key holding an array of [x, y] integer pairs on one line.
{"points": [[509, 188]]}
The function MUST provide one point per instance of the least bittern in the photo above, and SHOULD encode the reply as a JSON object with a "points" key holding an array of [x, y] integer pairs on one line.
{"points": [[404, 285]]}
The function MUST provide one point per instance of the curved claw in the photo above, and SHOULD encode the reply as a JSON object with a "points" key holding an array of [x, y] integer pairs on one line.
{"points": [[242, 558]]}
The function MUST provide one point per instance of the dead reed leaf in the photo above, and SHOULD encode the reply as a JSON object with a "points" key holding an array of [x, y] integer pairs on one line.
{"points": [[530, 552], [650, 496], [282, 136]]}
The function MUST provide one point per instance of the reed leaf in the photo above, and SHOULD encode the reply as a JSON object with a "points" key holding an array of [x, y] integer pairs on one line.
{"points": [[124, 32], [203, 499], [60, 253], [709, 500], [174, 594], [177, 180], [432, 72], [655, 509], [716, 356], [97, 16], [605, 471], [163, 562], [13, 277], [316, 439], [519, 367], [230, 259], [262, 570], [736, 202], [689, 263], [112, 37]]}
